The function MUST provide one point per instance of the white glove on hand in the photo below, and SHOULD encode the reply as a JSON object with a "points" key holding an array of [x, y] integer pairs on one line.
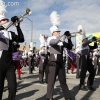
{"points": [[63, 38]]}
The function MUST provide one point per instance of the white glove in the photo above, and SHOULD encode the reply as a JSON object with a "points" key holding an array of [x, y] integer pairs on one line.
{"points": [[63, 38]]}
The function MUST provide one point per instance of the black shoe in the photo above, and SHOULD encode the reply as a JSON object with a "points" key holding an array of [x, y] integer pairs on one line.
{"points": [[91, 88], [68, 73], [19, 78], [41, 82], [77, 77], [84, 88], [46, 82], [98, 74], [72, 72], [31, 73], [49, 99], [69, 99]]}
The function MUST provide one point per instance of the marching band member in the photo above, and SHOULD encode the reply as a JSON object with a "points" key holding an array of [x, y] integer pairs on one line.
{"points": [[30, 57], [25, 57], [43, 63], [96, 56], [78, 61], [56, 44], [17, 57], [7, 68], [98, 72], [86, 63], [43, 60]]}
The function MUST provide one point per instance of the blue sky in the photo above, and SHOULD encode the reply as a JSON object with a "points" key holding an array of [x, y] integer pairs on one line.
{"points": [[72, 13]]}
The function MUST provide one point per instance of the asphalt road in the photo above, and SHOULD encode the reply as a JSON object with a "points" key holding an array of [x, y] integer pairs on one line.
{"points": [[29, 88]]}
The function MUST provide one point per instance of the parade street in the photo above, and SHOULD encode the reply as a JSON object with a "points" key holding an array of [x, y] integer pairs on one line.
{"points": [[29, 88]]}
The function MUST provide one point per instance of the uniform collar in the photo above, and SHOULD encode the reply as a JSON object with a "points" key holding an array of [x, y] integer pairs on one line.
{"points": [[2, 28]]}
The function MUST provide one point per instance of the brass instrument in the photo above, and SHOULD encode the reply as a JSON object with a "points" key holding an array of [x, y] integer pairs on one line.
{"points": [[98, 40], [21, 17], [73, 34]]}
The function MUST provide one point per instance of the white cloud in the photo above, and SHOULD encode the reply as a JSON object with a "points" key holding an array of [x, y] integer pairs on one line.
{"points": [[38, 5], [72, 13], [82, 12], [75, 12]]}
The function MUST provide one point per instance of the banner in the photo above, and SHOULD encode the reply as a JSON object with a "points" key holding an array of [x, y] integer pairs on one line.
{"points": [[70, 54], [97, 35], [89, 36]]}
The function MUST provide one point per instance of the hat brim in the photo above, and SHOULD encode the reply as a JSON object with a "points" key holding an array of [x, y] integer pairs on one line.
{"points": [[4, 19], [42, 46], [56, 31]]}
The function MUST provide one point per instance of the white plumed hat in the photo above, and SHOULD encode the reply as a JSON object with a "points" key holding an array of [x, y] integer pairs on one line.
{"points": [[54, 29], [80, 27], [42, 40], [31, 44], [42, 45], [31, 49], [54, 17], [2, 10]]}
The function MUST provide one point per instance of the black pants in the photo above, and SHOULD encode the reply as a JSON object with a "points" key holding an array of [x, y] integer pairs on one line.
{"points": [[9, 74], [54, 70], [86, 65], [42, 70], [47, 71], [95, 64], [30, 65], [98, 72], [78, 66]]}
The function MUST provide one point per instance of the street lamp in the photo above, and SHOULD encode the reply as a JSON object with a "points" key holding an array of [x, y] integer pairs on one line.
{"points": [[31, 27]]}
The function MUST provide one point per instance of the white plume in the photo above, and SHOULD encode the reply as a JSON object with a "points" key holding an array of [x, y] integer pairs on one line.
{"points": [[2, 8], [80, 28], [54, 17], [41, 38]]}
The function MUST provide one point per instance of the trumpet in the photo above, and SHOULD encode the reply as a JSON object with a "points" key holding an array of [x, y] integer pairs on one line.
{"points": [[21, 17], [76, 32], [73, 34], [98, 40]]}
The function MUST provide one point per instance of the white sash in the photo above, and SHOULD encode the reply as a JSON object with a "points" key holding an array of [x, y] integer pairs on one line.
{"points": [[5, 36]]}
